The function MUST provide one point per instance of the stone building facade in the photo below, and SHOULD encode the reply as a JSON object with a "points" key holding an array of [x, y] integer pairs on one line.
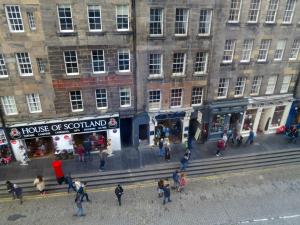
{"points": [[255, 65]]}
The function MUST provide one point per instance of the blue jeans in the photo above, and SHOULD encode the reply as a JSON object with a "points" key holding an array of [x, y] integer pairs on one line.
{"points": [[165, 198], [249, 140], [71, 186], [161, 152], [184, 165], [79, 211]]}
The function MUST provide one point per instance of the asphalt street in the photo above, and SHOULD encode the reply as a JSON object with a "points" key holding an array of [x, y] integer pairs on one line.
{"points": [[256, 197]]}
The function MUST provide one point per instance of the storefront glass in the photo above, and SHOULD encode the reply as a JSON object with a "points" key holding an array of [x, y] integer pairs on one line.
{"points": [[279, 110], [249, 119], [218, 123]]}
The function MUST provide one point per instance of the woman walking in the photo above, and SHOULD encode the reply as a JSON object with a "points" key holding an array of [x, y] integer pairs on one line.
{"points": [[167, 153], [182, 182], [40, 184]]}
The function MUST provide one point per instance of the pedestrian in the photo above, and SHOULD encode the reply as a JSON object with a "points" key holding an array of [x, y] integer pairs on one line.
{"points": [[15, 191], [182, 182], [160, 186], [108, 148], [77, 185], [119, 192], [225, 138], [184, 162], [167, 193], [190, 142], [69, 182], [167, 153], [78, 201], [103, 156], [10, 189], [220, 146], [80, 152], [239, 139], [39, 183], [161, 147], [175, 177], [82, 191], [87, 145], [250, 138]]}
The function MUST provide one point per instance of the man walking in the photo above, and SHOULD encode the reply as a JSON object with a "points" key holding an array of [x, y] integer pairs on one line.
{"points": [[161, 147], [167, 194], [250, 137], [87, 145], [15, 191], [102, 160], [69, 182], [119, 192]]}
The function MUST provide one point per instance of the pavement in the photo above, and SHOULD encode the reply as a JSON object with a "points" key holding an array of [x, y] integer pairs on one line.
{"points": [[143, 156], [256, 197]]}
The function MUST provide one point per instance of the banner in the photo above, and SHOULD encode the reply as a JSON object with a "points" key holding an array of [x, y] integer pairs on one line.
{"points": [[68, 127]]}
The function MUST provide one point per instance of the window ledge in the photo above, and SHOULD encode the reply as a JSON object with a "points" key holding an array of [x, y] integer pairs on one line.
{"points": [[155, 77], [252, 23], [199, 36], [233, 23], [286, 24], [35, 112], [95, 33], [226, 63], [178, 76], [199, 74], [180, 37], [124, 73], [67, 34], [4, 77], [262, 62], [76, 111], [158, 37], [270, 23], [99, 74], [245, 62], [125, 32]]}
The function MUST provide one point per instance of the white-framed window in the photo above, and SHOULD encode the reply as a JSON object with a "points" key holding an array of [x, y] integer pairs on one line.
{"points": [[263, 50], [179, 60], [24, 64], [122, 17], [289, 11], [181, 21], [286, 83], [255, 87], [176, 98], [155, 64], [254, 11], [125, 97], [197, 94], [71, 62], [34, 103], [94, 18], [14, 18], [156, 22], [101, 98], [239, 86], [154, 100], [76, 101], [41, 65], [9, 105], [65, 18], [294, 50], [271, 85], [272, 11], [124, 60], [98, 61], [247, 50], [235, 10], [3, 68], [201, 63], [31, 21], [205, 22], [223, 87], [228, 51], [279, 50]]}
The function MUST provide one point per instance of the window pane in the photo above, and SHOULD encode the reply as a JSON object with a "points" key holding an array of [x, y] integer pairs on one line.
{"points": [[156, 22], [94, 18], [3, 69], [65, 18], [154, 99], [71, 62], [176, 97], [181, 21], [24, 64], [124, 60], [205, 21], [98, 61], [122, 17], [14, 18], [101, 98]]}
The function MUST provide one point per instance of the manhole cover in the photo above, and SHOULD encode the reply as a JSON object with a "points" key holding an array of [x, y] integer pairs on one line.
{"points": [[15, 217]]}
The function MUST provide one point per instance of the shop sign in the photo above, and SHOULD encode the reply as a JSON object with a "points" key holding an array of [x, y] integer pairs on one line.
{"points": [[70, 127], [3, 140]]}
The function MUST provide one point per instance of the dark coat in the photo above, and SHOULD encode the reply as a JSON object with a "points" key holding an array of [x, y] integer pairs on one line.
{"points": [[167, 192]]}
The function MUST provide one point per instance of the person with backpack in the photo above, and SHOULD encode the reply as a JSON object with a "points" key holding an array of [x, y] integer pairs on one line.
{"points": [[119, 192]]}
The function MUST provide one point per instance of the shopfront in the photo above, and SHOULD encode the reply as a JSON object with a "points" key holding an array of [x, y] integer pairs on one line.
{"points": [[225, 116], [294, 115], [171, 125], [43, 138], [266, 114], [4, 148]]}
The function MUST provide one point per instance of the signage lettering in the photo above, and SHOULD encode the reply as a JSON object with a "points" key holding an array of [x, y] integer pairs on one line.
{"points": [[63, 128]]}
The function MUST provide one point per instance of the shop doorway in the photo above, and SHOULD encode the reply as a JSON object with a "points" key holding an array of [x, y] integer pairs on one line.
{"points": [[264, 120], [98, 139], [126, 131], [143, 132], [39, 147], [171, 128]]}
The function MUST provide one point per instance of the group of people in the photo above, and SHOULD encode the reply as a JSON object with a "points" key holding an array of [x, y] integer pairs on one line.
{"points": [[164, 189], [292, 134], [234, 137]]}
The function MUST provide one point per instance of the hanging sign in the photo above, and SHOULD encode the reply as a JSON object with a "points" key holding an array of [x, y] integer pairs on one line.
{"points": [[70, 127]]}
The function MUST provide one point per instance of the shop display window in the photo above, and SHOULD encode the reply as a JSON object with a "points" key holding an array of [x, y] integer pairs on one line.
{"points": [[249, 119], [297, 117], [277, 117], [218, 123]]}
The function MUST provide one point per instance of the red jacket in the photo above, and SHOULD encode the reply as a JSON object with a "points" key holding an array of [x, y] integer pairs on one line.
{"points": [[80, 150], [221, 144]]}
